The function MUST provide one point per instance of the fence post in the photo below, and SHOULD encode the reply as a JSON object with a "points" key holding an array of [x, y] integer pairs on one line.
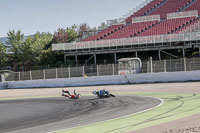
{"points": [[30, 75], [56, 73], [97, 70], [44, 74], [69, 71], [83, 71], [185, 67], [19, 76], [113, 67], [151, 65], [165, 66]]}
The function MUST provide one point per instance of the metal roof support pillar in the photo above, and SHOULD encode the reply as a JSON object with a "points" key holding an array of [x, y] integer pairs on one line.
{"points": [[159, 55], [136, 54], [65, 58], [183, 53], [95, 59], [115, 58], [76, 58]]}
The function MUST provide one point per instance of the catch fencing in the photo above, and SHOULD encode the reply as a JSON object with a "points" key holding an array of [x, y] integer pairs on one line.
{"points": [[172, 65]]}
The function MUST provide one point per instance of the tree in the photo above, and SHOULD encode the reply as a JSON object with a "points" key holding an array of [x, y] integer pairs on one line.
{"points": [[102, 26], [25, 52], [37, 44], [2, 55], [84, 28], [72, 33], [61, 36], [65, 35], [14, 43], [49, 57]]}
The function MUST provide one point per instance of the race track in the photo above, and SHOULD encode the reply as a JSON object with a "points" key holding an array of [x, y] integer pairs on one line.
{"points": [[50, 114]]}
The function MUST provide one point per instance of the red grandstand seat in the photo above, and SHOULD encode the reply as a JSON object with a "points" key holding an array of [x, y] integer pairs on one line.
{"points": [[169, 7], [167, 27], [131, 30]]}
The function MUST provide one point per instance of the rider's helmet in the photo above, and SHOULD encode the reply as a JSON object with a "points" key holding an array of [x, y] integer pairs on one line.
{"points": [[79, 95], [101, 92]]}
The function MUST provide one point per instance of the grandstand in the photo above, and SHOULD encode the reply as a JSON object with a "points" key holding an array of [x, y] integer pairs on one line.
{"points": [[159, 25]]}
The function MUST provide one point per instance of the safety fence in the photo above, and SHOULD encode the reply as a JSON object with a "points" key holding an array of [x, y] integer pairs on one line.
{"points": [[172, 65]]}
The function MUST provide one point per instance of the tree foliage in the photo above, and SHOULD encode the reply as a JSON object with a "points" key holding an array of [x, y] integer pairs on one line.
{"points": [[102, 26], [61, 36], [84, 28], [65, 35], [72, 33], [26, 51], [2, 54], [20, 50], [14, 43]]}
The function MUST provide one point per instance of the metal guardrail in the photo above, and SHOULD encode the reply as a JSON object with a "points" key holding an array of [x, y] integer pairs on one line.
{"points": [[174, 65], [182, 14], [192, 28], [146, 18], [127, 41]]}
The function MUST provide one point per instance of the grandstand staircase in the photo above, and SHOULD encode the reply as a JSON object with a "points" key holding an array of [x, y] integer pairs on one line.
{"points": [[147, 28], [116, 30], [155, 8], [187, 24], [186, 6]]}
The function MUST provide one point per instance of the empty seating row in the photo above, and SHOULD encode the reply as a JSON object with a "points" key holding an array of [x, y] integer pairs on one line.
{"points": [[105, 32], [194, 6], [143, 11], [152, 27], [169, 7], [132, 30], [184, 29], [168, 26]]}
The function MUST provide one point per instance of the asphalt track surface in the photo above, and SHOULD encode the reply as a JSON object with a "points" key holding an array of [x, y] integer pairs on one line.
{"points": [[50, 114]]}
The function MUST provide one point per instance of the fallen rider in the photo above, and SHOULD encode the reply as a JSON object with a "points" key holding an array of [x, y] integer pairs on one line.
{"points": [[103, 94], [67, 94]]}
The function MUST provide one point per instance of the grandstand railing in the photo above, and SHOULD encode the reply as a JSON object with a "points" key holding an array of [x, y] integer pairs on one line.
{"points": [[146, 18], [173, 65], [182, 14], [127, 41], [192, 28]]}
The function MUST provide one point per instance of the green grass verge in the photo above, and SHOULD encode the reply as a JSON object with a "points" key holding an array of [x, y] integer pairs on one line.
{"points": [[175, 106]]}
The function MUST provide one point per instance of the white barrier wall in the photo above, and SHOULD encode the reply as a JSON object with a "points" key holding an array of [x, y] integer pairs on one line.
{"points": [[105, 80], [1, 85]]}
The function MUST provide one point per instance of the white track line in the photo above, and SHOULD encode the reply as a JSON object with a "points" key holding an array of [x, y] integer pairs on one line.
{"points": [[162, 102]]}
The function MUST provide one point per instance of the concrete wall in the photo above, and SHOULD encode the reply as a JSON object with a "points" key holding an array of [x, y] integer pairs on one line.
{"points": [[1, 85], [105, 80]]}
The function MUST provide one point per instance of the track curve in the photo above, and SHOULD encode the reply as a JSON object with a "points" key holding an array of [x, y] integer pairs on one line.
{"points": [[49, 114]]}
